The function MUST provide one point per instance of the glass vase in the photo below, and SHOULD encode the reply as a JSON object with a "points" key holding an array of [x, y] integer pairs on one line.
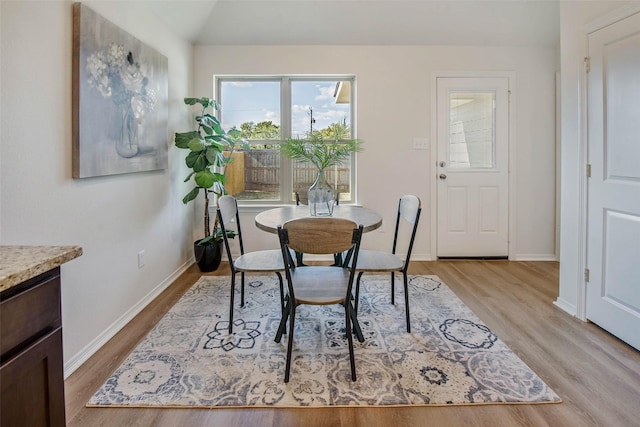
{"points": [[127, 144], [322, 196]]}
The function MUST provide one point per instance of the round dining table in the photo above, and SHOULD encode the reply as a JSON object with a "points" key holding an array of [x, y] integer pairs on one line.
{"points": [[270, 219]]}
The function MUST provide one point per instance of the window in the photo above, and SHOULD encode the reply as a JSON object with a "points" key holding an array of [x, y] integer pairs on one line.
{"points": [[472, 133], [268, 110]]}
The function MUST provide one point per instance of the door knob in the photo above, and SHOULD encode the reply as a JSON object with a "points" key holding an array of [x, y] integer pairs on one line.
{"points": [[443, 176], [442, 164]]}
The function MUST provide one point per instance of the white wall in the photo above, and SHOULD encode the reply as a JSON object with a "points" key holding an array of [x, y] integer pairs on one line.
{"points": [[573, 41], [112, 218], [393, 107]]}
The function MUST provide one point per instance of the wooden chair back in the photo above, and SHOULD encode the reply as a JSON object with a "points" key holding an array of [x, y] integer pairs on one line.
{"points": [[320, 235]]}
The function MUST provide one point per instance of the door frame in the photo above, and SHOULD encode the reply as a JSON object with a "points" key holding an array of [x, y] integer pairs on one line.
{"points": [[433, 180]]}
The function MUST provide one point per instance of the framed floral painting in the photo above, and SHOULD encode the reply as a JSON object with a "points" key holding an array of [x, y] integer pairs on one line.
{"points": [[120, 92]]}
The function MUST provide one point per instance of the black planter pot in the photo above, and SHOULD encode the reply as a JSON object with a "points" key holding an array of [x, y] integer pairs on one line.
{"points": [[208, 255]]}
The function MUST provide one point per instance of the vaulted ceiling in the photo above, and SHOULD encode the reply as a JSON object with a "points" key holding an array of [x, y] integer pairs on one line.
{"points": [[362, 22]]}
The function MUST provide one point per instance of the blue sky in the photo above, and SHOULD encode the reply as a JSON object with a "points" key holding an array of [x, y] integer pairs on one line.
{"points": [[258, 101]]}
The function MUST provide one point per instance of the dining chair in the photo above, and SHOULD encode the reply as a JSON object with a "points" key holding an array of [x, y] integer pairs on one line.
{"points": [[409, 208], [301, 202], [319, 285], [265, 261]]}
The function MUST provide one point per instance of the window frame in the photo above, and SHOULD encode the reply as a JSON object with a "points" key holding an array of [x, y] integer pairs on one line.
{"points": [[286, 164]]}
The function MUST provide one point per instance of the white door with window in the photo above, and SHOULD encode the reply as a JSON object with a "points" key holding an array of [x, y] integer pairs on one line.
{"points": [[613, 235], [472, 166]]}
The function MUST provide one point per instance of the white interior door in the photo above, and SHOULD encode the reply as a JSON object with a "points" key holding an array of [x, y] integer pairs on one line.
{"points": [[472, 167], [613, 235]]}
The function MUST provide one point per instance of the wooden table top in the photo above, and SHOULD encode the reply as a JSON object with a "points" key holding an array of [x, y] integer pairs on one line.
{"points": [[269, 220]]}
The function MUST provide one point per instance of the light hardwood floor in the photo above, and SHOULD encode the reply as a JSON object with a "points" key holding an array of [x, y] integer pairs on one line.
{"points": [[596, 375]]}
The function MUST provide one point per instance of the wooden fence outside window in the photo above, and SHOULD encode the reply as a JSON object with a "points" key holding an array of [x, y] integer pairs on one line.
{"points": [[261, 175]]}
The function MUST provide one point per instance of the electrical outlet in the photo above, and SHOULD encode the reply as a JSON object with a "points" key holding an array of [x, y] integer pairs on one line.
{"points": [[420, 143], [140, 259]]}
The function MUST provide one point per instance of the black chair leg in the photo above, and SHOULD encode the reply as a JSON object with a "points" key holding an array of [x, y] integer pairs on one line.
{"points": [[406, 301], [393, 288], [356, 324], [282, 328], [242, 290], [292, 319], [231, 299], [299, 262], [348, 313], [281, 290], [358, 290], [337, 260]]}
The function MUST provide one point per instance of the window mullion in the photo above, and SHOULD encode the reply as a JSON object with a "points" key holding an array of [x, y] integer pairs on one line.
{"points": [[286, 183], [352, 99]]}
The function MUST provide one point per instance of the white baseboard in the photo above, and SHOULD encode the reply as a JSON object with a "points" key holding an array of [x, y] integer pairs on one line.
{"points": [[422, 257], [90, 349], [566, 306], [535, 257], [520, 257]]}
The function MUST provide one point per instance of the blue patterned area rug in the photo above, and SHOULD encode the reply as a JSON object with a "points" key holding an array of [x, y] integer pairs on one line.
{"points": [[450, 358]]}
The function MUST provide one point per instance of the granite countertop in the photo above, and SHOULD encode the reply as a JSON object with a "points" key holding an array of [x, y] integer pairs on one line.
{"points": [[20, 263]]}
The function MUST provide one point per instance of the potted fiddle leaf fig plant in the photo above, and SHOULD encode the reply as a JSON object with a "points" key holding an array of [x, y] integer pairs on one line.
{"points": [[210, 150], [322, 154]]}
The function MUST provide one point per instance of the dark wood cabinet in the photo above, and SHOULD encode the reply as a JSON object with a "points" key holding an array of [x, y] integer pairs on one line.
{"points": [[31, 369]]}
